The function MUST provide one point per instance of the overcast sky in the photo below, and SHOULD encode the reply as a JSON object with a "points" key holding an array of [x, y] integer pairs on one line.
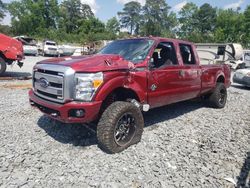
{"points": [[105, 9]]}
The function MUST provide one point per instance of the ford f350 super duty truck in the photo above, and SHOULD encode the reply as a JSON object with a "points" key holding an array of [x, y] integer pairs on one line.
{"points": [[125, 78], [11, 50]]}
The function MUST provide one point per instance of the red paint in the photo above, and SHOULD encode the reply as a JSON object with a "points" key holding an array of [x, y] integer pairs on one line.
{"points": [[91, 109], [11, 49], [92, 63], [171, 86]]}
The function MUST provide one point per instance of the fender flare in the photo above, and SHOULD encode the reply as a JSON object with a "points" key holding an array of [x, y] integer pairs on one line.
{"points": [[219, 74], [111, 86]]}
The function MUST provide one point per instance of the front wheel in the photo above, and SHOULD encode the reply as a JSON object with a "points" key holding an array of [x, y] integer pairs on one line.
{"points": [[120, 126], [218, 98], [3, 66]]}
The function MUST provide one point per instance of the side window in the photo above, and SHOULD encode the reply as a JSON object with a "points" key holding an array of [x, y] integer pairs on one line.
{"points": [[187, 54], [164, 55]]}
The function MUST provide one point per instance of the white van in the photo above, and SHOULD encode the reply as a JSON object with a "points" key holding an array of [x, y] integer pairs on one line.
{"points": [[49, 48]]}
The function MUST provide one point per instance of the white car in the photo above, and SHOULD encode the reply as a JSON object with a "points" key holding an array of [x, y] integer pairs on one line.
{"points": [[29, 45], [49, 48], [246, 58], [78, 52], [66, 50], [30, 50], [242, 76]]}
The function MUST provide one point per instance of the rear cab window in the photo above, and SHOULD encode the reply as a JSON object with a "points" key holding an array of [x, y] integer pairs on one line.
{"points": [[187, 54]]}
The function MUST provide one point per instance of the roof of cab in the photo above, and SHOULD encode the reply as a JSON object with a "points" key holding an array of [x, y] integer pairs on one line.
{"points": [[161, 39]]}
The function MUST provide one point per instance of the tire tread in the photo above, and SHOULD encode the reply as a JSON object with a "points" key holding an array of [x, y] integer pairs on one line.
{"points": [[106, 125]]}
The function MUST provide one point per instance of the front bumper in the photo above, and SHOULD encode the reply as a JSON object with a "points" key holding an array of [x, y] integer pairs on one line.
{"points": [[243, 81], [51, 52], [63, 110], [30, 52]]}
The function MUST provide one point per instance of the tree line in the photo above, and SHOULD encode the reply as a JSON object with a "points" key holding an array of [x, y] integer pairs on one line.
{"points": [[72, 21], [197, 24]]}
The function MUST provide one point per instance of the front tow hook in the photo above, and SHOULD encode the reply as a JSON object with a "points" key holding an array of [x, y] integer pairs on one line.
{"points": [[20, 64]]}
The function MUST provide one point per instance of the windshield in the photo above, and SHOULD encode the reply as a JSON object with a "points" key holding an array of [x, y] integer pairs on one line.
{"points": [[134, 50]]}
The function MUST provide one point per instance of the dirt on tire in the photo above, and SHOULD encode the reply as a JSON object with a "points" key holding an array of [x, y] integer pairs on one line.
{"points": [[215, 97], [3, 66], [107, 124]]}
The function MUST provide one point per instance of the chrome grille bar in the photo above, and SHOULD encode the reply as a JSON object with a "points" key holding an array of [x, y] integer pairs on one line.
{"points": [[53, 82]]}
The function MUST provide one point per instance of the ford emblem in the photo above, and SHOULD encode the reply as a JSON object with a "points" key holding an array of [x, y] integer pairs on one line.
{"points": [[43, 82]]}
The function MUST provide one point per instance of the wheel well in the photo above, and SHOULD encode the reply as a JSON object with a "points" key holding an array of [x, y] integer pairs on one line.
{"points": [[119, 94], [2, 56], [122, 94], [221, 79]]}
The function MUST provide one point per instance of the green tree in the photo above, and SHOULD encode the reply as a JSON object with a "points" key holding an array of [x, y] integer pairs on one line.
{"points": [[187, 20], [33, 17], [197, 24], [113, 25], [206, 18], [2, 9], [73, 12], [229, 26], [156, 18], [246, 37], [50, 11], [92, 29], [5, 29], [130, 17]]}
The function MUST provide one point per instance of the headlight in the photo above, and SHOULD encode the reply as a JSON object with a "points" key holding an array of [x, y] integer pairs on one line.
{"points": [[87, 84]]}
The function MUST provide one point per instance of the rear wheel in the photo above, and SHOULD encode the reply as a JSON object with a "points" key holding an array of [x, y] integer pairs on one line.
{"points": [[218, 98], [120, 126], [3, 66]]}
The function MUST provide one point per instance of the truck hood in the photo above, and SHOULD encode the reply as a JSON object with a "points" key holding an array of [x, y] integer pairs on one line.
{"points": [[92, 63]]}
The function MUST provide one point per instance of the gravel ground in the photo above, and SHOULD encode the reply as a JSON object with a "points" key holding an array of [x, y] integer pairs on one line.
{"points": [[183, 145]]}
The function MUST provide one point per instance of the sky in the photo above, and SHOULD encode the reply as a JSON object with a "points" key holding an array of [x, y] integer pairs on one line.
{"points": [[106, 9]]}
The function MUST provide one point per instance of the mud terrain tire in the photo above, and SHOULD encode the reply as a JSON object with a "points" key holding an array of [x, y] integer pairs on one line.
{"points": [[3, 66], [218, 98], [121, 125]]}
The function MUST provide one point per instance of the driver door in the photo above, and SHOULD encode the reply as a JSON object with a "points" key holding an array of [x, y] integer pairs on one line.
{"points": [[164, 79]]}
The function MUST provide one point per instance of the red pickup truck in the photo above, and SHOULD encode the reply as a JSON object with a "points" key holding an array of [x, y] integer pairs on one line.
{"points": [[11, 50], [121, 81]]}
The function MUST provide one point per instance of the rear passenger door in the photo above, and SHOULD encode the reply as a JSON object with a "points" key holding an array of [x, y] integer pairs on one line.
{"points": [[190, 72]]}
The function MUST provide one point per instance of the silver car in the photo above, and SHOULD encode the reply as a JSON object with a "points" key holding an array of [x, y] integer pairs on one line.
{"points": [[29, 45], [242, 76]]}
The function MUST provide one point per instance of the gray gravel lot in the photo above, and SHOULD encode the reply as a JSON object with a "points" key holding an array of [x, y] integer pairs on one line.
{"points": [[183, 145]]}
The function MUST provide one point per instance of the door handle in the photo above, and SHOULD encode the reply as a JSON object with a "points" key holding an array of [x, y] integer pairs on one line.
{"points": [[181, 73]]}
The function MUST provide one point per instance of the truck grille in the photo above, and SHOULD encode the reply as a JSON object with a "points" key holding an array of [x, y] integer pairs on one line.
{"points": [[54, 82], [54, 49], [49, 84]]}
